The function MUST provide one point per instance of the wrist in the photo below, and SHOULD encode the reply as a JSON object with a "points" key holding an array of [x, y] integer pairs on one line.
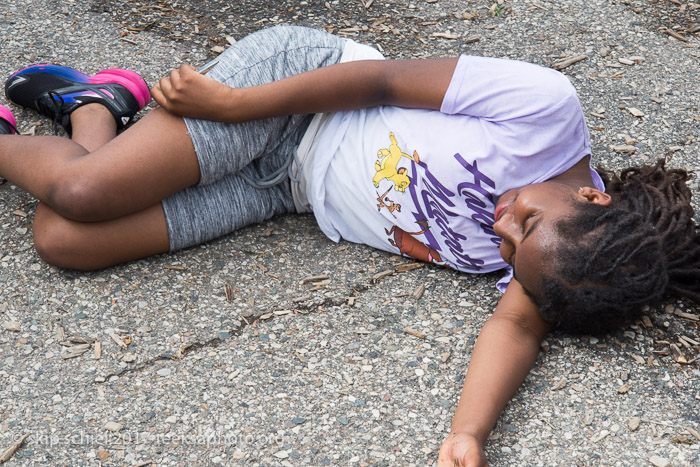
{"points": [[471, 430]]}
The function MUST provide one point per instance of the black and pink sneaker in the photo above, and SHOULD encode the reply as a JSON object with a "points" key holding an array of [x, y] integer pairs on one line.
{"points": [[55, 91], [8, 126]]}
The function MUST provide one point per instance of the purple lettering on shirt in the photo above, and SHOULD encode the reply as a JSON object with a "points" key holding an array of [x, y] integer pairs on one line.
{"points": [[481, 215], [436, 199]]}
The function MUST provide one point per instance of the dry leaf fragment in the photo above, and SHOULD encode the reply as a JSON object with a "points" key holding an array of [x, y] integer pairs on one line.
{"points": [[688, 339], [624, 389], [98, 350], [559, 385], [624, 149], [675, 35], [635, 111], [103, 455], [690, 316], [381, 275], [418, 293], [692, 432], [10, 451], [629, 140], [409, 267], [445, 35], [117, 340], [414, 333], [20, 213], [174, 267], [320, 277], [626, 61], [565, 62], [680, 358], [638, 359], [229, 292], [472, 39], [266, 316], [74, 351]]}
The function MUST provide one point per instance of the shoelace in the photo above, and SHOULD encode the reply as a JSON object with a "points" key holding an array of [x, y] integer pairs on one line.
{"points": [[52, 107]]}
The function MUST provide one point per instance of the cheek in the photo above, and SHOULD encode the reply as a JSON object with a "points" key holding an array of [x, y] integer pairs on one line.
{"points": [[505, 249]]}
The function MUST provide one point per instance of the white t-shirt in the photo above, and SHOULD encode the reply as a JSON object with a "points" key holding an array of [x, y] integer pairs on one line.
{"points": [[424, 183]]}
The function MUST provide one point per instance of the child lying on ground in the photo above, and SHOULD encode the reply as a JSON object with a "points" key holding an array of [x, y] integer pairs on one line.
{"points": [[474, 163]]}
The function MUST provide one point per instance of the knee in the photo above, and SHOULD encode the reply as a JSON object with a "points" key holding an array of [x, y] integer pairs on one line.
{"points": [[77, 199], [55, 241]]}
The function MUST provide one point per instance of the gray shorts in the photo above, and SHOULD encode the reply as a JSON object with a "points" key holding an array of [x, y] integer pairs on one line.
{"points": [[244, 166]]}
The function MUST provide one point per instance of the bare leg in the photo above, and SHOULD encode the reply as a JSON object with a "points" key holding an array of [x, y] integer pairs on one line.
{"points": [[134, 171], [94, 245], [93, 126]]}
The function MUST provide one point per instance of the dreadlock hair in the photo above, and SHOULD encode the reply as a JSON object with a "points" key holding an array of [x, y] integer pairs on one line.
{"points": [[640, 249]]}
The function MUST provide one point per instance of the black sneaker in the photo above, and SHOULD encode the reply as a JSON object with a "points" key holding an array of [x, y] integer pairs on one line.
{"points": [[55, 91], [8, 126]]}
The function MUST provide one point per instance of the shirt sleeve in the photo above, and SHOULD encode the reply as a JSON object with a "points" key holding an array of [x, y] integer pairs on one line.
{"points": [[500, 90], [525, 109]]}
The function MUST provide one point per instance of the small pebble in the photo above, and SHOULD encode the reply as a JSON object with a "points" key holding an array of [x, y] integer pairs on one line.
{"points": [[113, 426]]}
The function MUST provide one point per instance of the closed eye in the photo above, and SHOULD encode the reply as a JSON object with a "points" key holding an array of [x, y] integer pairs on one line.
{"points": [[532, 227]]}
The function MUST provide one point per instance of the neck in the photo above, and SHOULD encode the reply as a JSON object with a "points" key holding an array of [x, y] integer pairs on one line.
{"points": [[577, 176]]}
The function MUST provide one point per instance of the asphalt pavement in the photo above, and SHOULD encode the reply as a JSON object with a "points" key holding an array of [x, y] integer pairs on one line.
{"points": [[276, 346]]}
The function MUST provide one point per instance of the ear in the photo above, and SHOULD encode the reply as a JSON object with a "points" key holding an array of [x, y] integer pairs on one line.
{"points": [[595, 196]]}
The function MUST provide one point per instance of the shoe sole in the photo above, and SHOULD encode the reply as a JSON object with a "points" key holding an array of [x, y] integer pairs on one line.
{"points": [[6, 115], [131, 80]]}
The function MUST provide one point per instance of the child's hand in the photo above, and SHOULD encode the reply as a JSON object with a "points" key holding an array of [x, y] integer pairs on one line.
{"points": [[189, 94], [463, 450]]}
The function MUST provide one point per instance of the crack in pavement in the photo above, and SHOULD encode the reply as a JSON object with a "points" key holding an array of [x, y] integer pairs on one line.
{"points": [[193, 347]]}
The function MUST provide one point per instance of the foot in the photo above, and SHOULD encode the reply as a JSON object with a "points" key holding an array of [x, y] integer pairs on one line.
{"points": [[55, 91], [8, 126]]}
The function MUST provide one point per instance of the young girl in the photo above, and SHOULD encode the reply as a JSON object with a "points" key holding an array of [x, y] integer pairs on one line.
{"points": [[475, 163]]}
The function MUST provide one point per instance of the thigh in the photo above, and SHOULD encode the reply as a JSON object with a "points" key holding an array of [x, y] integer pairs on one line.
{"points": [[148, 162], [201, 213], [265, 56]]}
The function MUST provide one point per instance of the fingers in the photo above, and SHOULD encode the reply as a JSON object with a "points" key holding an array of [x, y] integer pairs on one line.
{"points": [[170, 89]]}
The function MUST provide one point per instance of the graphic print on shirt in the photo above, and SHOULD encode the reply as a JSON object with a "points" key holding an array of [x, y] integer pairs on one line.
{"points": [[431, 202], [382, 201], [408, 245], [386, 166]]}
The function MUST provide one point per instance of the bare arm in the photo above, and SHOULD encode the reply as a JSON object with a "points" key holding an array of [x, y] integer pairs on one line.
{"points": [[406, 83], [503, 355]]}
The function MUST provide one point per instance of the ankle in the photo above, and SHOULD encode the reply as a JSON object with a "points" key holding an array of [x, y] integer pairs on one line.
{"points": [[92, 115]]}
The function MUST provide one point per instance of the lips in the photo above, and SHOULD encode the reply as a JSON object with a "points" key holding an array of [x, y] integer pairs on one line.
{"points": [[500, 209]]}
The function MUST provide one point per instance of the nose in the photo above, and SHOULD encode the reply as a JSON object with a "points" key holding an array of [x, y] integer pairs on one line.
{"points": [[505, 227]]}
